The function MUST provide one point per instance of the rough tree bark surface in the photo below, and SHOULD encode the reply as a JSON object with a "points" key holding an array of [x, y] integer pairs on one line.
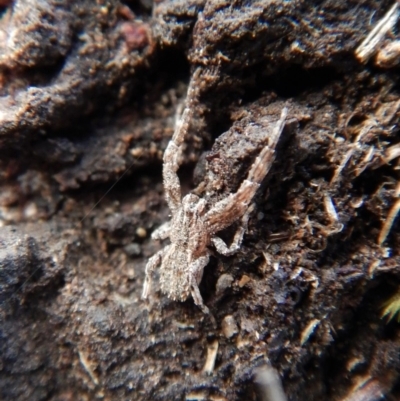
{"points": [[90, 91]]}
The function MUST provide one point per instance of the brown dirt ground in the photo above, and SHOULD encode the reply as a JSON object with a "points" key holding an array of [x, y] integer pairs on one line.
{"points": [[89, 92]]}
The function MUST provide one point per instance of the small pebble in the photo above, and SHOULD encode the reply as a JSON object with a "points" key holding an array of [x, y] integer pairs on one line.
{"points": [[8, 197], [243, 281], [229, 326], [141, 232], [30, 211], [130, 273], [132, 249], [224, 282]]}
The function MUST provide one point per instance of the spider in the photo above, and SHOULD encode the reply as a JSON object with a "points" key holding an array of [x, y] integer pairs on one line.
{"points": [[194, 224]]}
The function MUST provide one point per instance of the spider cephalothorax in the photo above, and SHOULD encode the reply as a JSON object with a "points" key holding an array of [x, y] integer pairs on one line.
{"points": [[194, 223]]}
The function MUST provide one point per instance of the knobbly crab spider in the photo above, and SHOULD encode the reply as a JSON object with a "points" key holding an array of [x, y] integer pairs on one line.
{"points": [[194, 223]]}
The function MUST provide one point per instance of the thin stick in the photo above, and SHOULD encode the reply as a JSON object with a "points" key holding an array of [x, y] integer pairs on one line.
{"points": [[370, 44]]}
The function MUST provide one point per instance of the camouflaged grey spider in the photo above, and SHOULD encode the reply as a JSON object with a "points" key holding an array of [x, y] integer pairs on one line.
{"points": [[194, 224]]}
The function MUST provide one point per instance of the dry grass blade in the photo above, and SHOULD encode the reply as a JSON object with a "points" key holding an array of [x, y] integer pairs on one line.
{"points": [[370, 44]]}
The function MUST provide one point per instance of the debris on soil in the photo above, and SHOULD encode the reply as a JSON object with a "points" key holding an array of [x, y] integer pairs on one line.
{"points": [[90, 92]]}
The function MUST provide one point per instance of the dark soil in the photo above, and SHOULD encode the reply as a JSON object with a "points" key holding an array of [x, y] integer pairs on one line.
{"points": [[89, 94]]}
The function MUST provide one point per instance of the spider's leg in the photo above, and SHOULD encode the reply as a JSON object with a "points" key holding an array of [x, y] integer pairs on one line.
{"points": [[153, 262], [172, 154], [162, 232], [220, 245], [227, 211], [196, 269], [264, 160]]}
